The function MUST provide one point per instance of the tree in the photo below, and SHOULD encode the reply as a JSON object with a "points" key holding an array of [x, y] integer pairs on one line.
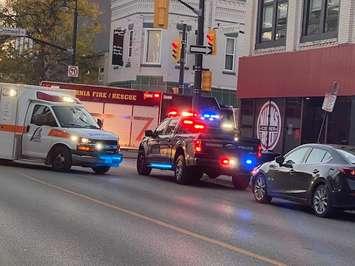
{"points": [[46, 20]]}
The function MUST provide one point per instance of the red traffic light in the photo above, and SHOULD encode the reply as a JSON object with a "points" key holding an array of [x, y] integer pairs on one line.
{"points": [[176, 49]]}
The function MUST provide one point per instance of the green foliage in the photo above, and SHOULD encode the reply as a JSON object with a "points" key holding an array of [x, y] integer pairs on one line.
{"points": [[47, 21]]}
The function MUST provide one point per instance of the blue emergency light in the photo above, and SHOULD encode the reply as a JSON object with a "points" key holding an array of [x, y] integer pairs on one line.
{"points": [[161, 166], [112, 160]]}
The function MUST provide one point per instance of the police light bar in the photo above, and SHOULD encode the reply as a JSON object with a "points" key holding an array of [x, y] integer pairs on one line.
{"points": [[173, 114], [188, 114], [9, 92]]}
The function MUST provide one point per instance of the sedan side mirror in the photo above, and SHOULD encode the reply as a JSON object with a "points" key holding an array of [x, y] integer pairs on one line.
{"points": [[149, 133], [280, 160], [100, 123]]}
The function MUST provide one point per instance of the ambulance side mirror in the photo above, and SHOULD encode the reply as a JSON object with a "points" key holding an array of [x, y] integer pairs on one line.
{"points": [[100, 123]]}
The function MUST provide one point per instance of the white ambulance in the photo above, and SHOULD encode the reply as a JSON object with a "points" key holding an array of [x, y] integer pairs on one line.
{"points": [[41, 125]]}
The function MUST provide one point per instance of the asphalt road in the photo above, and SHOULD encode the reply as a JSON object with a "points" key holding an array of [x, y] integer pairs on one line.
{"points": [[49, 218]]}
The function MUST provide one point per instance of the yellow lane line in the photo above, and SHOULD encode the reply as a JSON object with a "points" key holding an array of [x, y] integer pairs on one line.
{"points": [[227, 246]]}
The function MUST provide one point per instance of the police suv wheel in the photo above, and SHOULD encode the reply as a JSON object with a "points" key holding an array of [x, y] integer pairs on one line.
{"points": [[240, 182], [61, 159], [142, 168], [181, 171], [101, 170]]}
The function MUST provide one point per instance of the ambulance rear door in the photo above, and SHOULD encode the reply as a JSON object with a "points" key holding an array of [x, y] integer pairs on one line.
{"points": [[8, 127]]}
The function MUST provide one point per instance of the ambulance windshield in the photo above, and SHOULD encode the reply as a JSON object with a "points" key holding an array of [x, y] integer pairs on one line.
{"points": [[74, 117]]}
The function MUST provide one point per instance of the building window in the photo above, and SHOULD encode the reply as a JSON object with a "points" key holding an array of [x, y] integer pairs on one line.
{"points": [[229, 64], [272, 23], [321, 19], [130, 46], [152, 46]]}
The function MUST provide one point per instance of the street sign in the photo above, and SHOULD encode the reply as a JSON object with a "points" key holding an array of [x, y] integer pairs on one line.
{"points": [[117, 49], [12, 32], [200, 49], [331, 97], [329, 102], [73, 71]]}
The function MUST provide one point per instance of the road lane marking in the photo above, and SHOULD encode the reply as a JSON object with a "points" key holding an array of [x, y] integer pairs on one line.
{"points": [[183, 231]]}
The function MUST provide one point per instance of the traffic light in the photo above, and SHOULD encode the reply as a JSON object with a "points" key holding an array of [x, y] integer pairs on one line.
{"points": [[206, 81], [176, 47], [161, 13], [212, 40]]}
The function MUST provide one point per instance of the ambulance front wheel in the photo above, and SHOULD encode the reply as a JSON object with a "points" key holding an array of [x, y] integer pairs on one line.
{"points": [[61, 159]]}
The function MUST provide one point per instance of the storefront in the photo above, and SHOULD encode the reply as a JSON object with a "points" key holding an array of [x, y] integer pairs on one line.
{"points": [[282, 96]]}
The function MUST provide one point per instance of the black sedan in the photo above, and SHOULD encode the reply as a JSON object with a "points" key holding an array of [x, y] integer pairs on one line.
{"points": [[320, 176]]}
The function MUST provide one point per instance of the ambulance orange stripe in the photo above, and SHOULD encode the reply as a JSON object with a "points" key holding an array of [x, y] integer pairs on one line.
{"points": [[59, 134], [13, 129]]}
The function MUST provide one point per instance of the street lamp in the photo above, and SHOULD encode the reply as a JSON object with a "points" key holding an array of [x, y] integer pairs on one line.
{"points": [[66, 8]]}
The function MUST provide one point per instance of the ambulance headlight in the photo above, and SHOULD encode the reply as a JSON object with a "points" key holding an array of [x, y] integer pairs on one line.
{"points": [[84, 140], [74, 138], [99, 146]]}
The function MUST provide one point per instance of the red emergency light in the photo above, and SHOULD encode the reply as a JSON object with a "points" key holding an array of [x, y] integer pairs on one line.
{"points": [[188, 122], [259, 151], [199, 126], [54, 98], [172, 114], [197, 145], [188, 114], [226, 162], [193, 125], [151, 95]]}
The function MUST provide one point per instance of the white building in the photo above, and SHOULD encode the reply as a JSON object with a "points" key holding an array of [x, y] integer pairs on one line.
{"points": [[147, 57]]}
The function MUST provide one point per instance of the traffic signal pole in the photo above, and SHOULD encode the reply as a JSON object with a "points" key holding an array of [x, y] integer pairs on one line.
{"points": [[183, 59], [199, 57]]}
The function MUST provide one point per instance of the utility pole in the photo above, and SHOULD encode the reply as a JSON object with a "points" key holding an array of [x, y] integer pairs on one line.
{"points": [[75, 33], [199, 57]]}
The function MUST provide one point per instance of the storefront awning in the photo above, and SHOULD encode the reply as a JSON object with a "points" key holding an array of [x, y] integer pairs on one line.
{"points": [[298, 74]]}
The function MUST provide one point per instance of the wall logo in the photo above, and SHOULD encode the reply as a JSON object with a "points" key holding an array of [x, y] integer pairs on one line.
{"points": [[269, 125]]}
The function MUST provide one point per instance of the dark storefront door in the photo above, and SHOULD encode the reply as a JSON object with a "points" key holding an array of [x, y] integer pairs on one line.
{"points": [[337, 125]]}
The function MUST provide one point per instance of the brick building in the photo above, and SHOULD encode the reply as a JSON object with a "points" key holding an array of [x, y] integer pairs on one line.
{"points": [[294, 51]]}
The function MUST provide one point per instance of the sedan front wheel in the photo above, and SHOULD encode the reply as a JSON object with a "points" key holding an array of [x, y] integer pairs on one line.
{"points": [[260, 190], [321, 202]]}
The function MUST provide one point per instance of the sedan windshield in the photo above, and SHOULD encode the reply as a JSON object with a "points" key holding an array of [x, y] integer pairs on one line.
{"points": [[74, 117]]}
